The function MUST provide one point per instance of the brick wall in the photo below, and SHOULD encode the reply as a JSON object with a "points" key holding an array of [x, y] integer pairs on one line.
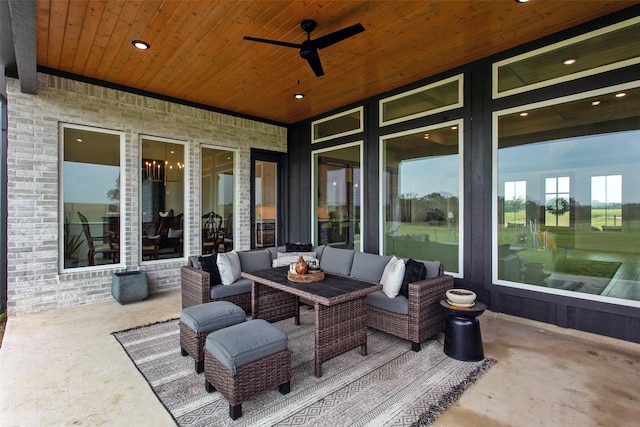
{"points": [[34, 282]]}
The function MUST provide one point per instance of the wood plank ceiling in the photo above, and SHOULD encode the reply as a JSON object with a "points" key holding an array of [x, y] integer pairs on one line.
{"points": [[198, 53]]}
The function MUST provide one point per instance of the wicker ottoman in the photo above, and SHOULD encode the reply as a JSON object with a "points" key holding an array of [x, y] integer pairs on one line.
{"points": [[246, 359], [198, 321]]}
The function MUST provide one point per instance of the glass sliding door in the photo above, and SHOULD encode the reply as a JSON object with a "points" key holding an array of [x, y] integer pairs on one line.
{"points": [[217, 199], [338, 191], [91, 199], [421, 194], [162, 199]]}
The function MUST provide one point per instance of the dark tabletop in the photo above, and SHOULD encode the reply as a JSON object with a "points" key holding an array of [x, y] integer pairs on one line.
{"points": [[475, 311], [333, 286]]}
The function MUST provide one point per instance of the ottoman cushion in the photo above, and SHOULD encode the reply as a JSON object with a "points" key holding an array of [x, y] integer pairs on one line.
{"points": [[212, 315], [247, 342]]}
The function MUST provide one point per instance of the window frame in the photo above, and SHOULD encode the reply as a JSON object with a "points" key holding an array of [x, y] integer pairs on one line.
{"points": [[496, 94], [61, 215], [314, 189], [185, 187], [458, 77], [360, 128], [494, 196], [382, 177]]}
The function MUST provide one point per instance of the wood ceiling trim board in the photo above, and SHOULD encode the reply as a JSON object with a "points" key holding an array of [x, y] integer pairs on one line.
{"points": [[77, 13], [103, 37], [42, 30], [212, 46], [152, 66], [85, 51], [119, 39], [56, 29], [128, 57], [233, 35]]}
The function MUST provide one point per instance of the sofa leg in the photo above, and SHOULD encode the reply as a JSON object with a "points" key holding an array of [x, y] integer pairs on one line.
{"points": [[235, 412], [285, 388], [209, 387], [199, 367], [415, 346], [183, 352]]}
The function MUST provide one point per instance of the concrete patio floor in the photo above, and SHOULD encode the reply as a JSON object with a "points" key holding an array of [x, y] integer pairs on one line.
{"points": [[64, 367]]}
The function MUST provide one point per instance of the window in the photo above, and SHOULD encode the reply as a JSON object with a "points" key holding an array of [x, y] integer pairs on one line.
{"points": [[217, 197], [573, 155], [337, 183], [431, 99], [162, 199], [91, 199], [606, 203], [557, 201], [341, 124], [605, 49], [422, 186]]}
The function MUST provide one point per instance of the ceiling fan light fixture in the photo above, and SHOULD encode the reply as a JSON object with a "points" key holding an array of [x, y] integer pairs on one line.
{"points": [[140, 44]]}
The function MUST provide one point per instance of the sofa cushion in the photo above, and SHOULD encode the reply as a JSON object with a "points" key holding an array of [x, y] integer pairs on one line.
{"points": [[368, 266], [212, 316], [433, 268], [414, 272], [246, 342], [209, 264], [229, 266], [298, 247], [399, 304], [336, 260], [240, 286], [254, 260], [392, 277], [273, 251], [318, 250], [194, 261], [286, 258]]}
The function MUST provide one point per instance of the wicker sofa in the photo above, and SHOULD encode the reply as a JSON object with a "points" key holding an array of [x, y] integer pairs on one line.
{"points": [[416, 317]]}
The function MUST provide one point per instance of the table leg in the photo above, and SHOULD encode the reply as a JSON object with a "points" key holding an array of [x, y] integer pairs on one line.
{"points": [[340, 328], [273, 305]]}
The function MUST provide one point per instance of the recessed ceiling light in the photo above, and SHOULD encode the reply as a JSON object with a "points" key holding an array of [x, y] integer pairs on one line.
{"points": [[524, 114], [298, 95], [426, 136], [594, 103], [454, 127], [570, 61], [142, 45], [79, 140], [522, 1], [620, 95]]}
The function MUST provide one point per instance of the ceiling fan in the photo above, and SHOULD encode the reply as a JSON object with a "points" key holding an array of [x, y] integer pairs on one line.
{"points": [[309, 48]]}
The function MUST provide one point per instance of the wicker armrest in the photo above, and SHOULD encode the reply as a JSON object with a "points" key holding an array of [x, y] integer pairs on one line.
{"points": [[195, 286], [426, 316]]}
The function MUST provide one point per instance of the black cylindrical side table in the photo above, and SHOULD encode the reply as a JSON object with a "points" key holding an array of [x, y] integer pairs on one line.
{"points": [[462, 337]]}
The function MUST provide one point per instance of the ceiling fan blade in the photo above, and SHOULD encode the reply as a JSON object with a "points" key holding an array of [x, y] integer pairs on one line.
{"points": [[314, 62], [276, 42], [337, 36]]}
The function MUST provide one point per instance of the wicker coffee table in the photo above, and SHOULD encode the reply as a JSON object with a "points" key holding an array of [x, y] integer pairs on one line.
{"points": [[340, 304]]}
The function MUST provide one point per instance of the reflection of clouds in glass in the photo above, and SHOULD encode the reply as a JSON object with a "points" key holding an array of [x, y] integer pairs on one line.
{"points": [[619, 148], [429, 175], [89, 183], [580, 158]]}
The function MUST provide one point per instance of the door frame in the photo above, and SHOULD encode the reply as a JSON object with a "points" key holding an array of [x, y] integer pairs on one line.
{"points": [[280, 159]]}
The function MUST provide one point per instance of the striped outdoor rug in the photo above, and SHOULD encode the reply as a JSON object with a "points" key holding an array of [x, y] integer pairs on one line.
{"points": [[391, 386]]}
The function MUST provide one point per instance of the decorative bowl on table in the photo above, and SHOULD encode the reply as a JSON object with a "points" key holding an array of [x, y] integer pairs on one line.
{"points": [[461, 297]]}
